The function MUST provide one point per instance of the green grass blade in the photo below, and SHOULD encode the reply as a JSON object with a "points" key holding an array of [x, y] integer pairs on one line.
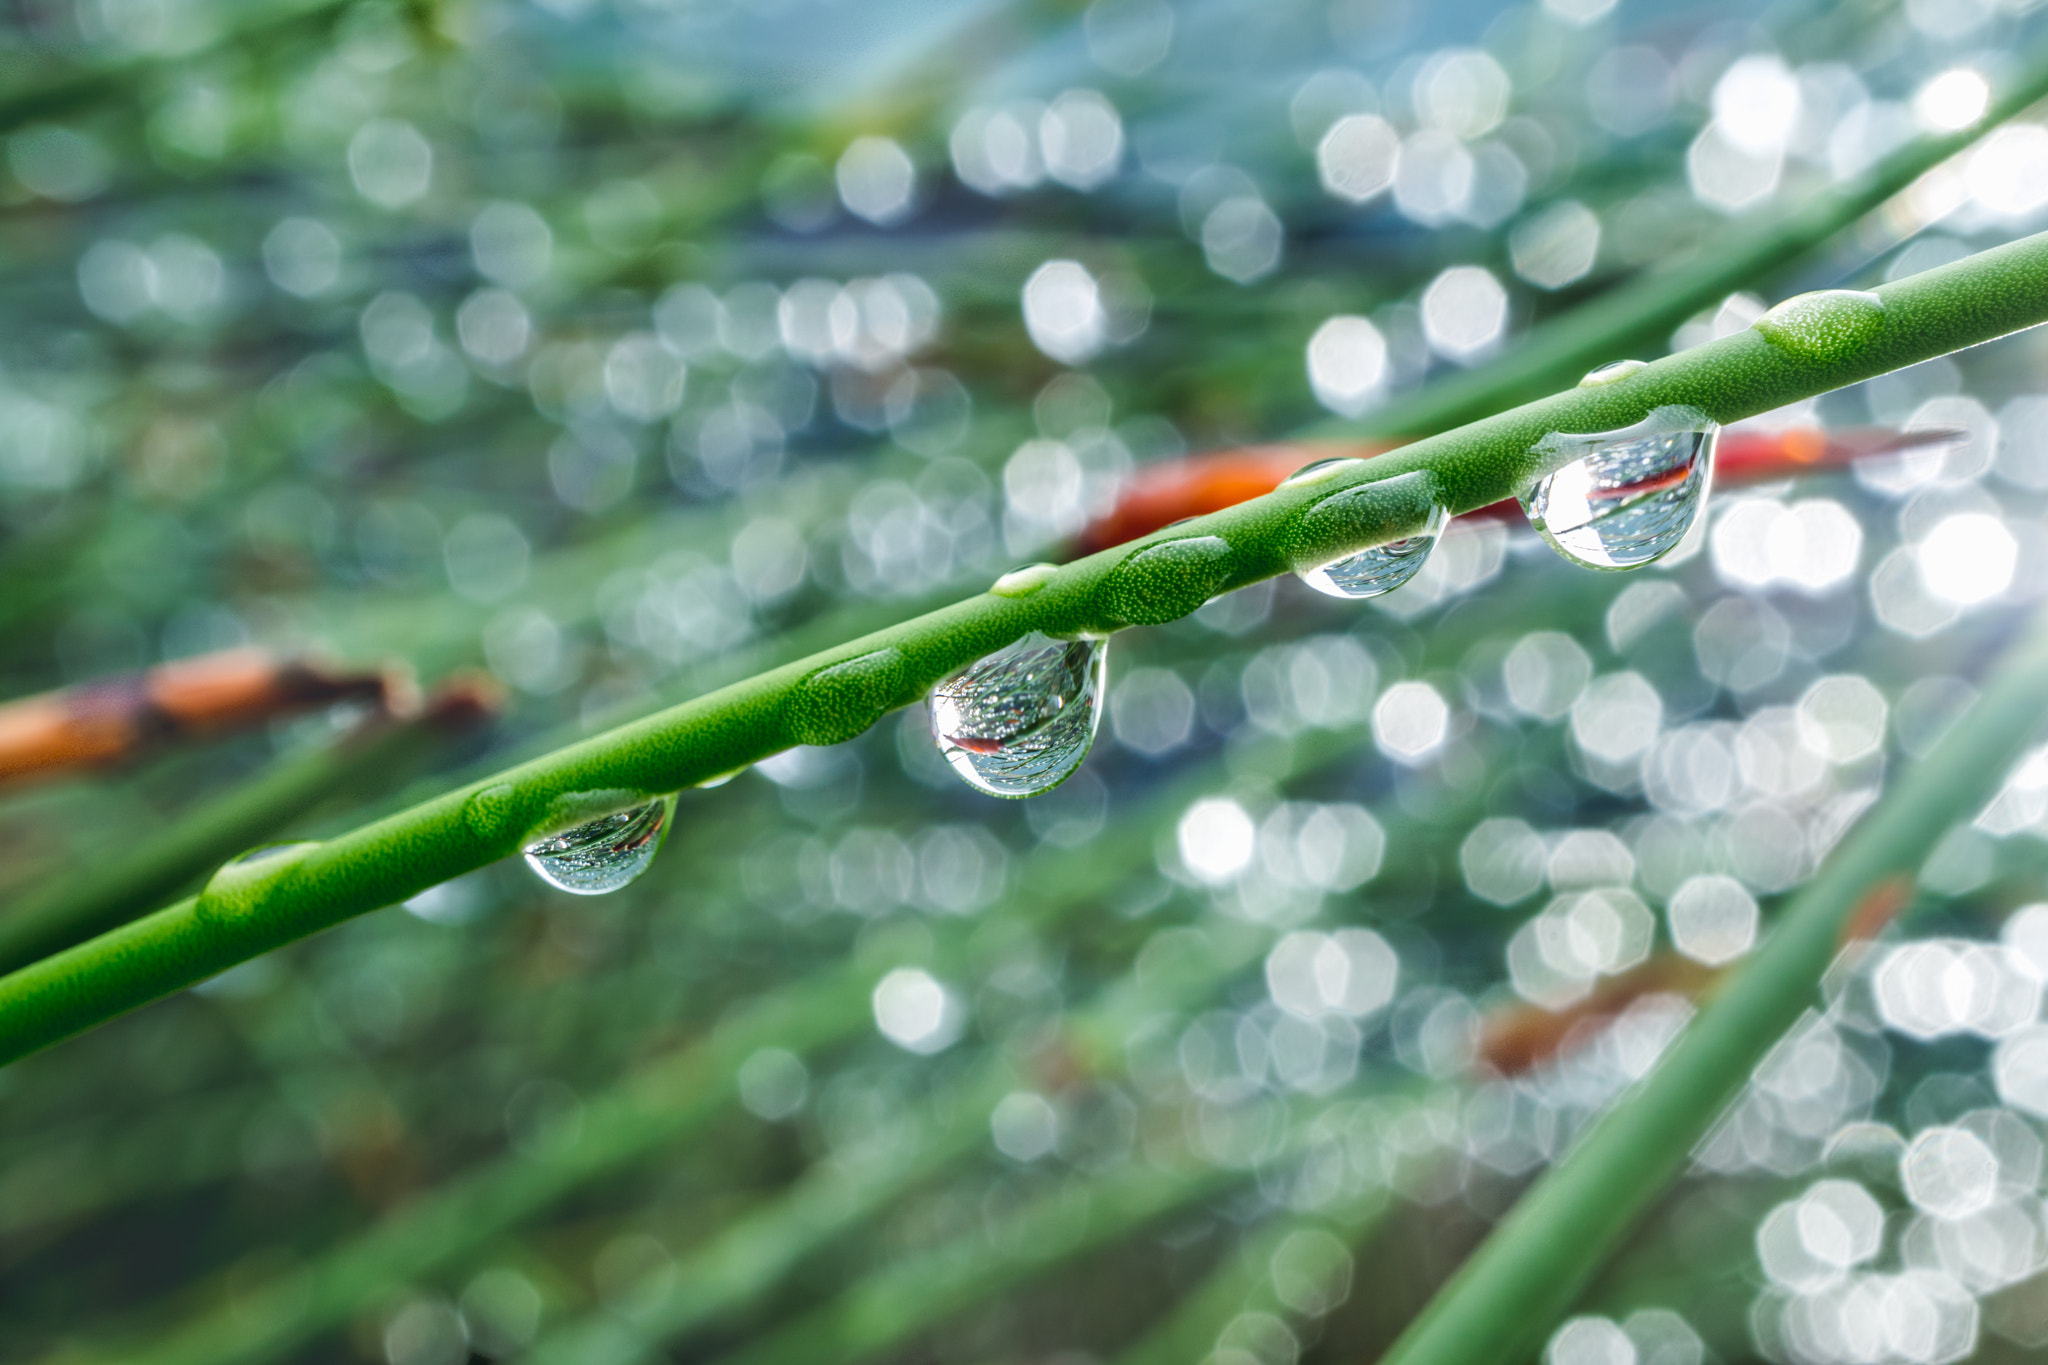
{"points": [[1525, 1277]]}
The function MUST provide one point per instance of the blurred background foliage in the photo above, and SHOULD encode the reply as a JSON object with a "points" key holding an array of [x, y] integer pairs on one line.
{"points": [[622, 349]]}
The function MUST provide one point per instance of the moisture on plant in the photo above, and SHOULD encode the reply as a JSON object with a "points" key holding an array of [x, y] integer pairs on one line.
{"points": [[1138, 682]]}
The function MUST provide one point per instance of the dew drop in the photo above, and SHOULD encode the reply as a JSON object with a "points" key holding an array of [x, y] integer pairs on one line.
{"points": [[1381, 568], [1321, 470], [1020, 721], [1628, 496], [1827, 326], [600, 854], [1025, 581], [1167, 580], [241, 887], [1612, 373], [488, 811], [841, 700]]}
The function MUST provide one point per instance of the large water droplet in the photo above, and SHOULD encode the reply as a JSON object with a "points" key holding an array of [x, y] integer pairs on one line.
{"points": [[1826, 326], [241, 887], [604, 853], [1380, 569], [1630, 495], [1612, 373], [1020, 721]]}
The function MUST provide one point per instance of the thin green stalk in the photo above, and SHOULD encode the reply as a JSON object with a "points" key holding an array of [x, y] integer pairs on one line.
{"points": [[1244, 1282], [101, 893], [739, 1266], [833, 696], [893, 1305], [1524, 1278], [1644, 311]]}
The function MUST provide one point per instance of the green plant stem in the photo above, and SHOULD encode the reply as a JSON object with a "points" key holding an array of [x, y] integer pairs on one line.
{"points": [[1524, 1278], [833, 696], [650, 1111], [1644, 311], [94, 898]]}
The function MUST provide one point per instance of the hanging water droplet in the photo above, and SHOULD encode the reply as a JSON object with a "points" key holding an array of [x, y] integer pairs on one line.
{"points": [[1825, 326], [604, 853], [1380, 569], [1612, 373], [1319, 470], [1025, 581], [1020, 721], [1629, 496]]}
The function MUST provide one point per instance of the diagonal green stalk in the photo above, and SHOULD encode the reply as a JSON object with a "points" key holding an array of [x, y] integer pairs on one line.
{"points": [[1524, 1278], [740, 1265], [833, 696], [891, 1306], [1643, 312]]}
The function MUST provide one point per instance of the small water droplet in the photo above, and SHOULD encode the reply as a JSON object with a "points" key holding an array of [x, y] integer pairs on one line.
{"points": [[241, 886], [841, 700], [488, 812], [1826, 326], [1318, 471], [1381, 568], [1167, 580], [1630, 495], [1020, 721], [1612, 373], [603, 853], [1025, 581]]}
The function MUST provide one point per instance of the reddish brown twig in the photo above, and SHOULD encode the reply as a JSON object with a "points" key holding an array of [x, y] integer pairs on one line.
{"points": [[109, 720]]}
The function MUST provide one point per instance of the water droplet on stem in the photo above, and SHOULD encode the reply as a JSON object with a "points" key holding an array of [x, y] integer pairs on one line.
{"points": [[1318, 471], [1381, 568], [242, 886], [1629, 496], [1826, 326], [1612, 373], [1020, 721], [1167, 580], [1371, 538], [1025, 581], [598, 854]]}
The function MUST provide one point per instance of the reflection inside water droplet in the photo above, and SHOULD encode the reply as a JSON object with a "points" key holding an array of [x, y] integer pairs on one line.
{"points": [[1020, 721], [1380, 569], [600, 855], [1630, 495]]}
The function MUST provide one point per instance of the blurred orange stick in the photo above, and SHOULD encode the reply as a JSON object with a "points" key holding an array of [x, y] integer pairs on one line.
{"points": [[110, 719], [1160, 494]]}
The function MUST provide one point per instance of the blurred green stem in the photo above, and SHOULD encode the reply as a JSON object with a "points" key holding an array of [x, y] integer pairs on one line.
{"points": [[1644, 311], [1525, 1277]]}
